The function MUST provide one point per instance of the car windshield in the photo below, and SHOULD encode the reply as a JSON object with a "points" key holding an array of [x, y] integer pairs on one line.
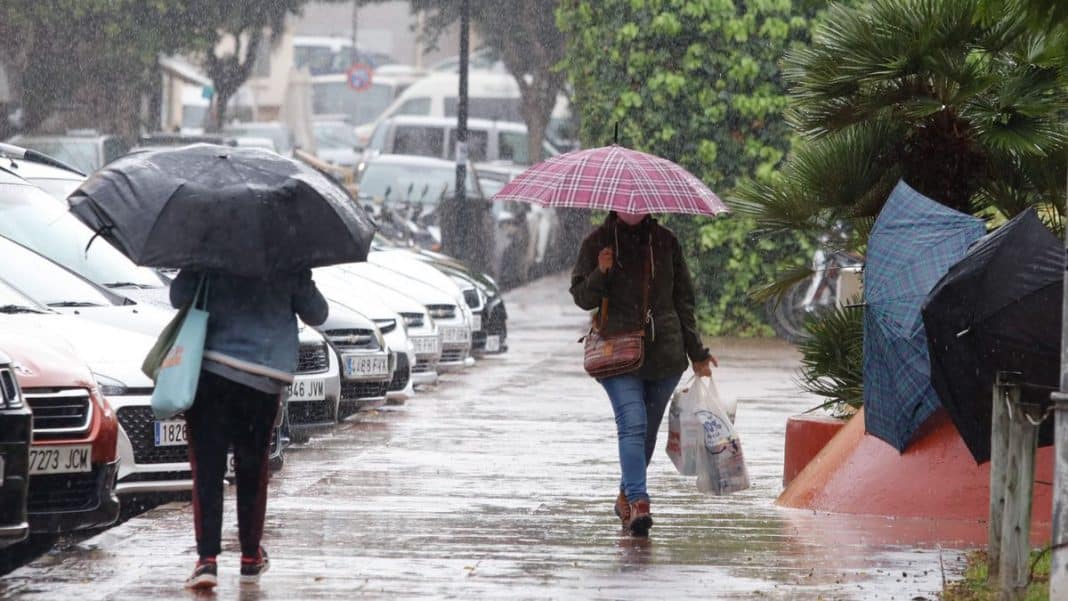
{"points": [[45, 282], [81, 154], [281, 136], [336, 97], [35, 220], [14, 301], [437, 181], [335, 135]]}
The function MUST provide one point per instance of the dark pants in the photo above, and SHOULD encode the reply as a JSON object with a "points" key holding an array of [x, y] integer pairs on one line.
{"points": [[226, 413]]}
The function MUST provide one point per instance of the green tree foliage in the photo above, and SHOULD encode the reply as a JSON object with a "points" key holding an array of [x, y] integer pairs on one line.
{"points": [[966, 108], [697, 82]]}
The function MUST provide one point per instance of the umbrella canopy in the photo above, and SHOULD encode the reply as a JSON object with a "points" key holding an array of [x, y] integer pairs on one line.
{"points": [[243, 211], [998, 309], [613, 178], [913, 244]]}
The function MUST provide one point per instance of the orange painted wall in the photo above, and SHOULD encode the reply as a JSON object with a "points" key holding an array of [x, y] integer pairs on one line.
{"points": [[806, 435], [936, 477]]}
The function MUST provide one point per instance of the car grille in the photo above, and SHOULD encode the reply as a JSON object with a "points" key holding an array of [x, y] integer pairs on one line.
{"points": [[59, 413], [313, 358], [423, 366], [351, 391], [402, 374], [302, 413], [352, 339], [413, 320], [471, 298], [452, 355], [158, 476], [9, 390], [139, 425], [442, 311], [51, 493]]}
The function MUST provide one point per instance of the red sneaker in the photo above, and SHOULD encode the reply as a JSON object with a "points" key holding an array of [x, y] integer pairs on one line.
{"points": [[254, 567], [205, 575]]}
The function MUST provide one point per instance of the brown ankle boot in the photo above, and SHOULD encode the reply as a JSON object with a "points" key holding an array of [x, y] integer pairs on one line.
{"points": [[641, 520], [622, 509]]}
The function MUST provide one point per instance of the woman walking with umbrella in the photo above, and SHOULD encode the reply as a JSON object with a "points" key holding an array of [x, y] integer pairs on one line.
{"points": [[632, 271], [245, 227]]}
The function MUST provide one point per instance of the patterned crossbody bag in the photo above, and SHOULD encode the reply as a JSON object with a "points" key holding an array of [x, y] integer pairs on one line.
{"points": [[618, 354]]}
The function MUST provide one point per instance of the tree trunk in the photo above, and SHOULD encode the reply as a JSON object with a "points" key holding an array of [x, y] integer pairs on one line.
{"points": [[222, 99]]}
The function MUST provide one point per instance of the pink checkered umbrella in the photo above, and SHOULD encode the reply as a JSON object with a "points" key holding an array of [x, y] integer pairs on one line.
{"points": [[613, 178]]}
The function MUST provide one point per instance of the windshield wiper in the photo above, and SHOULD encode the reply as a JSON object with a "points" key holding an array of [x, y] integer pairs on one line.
{"points": [[12, 309], [127, 285], [71, 304]]}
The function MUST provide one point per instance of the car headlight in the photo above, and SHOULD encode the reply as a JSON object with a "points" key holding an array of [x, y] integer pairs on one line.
{"points": [[386, 325], [110, 386], [10, 396]]}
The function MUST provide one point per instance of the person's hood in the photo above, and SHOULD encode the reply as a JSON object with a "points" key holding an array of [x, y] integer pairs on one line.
{"points": [[43, 363]]}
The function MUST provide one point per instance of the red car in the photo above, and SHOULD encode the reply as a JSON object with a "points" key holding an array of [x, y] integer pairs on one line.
{"points": [[73, 459]]}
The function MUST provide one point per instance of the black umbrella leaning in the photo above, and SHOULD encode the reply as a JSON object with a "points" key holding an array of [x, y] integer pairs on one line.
{"points": [[998, 309], [242, 211]]}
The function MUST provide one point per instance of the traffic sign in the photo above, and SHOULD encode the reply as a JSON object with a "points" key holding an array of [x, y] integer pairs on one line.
{"points": [[359, 77]]}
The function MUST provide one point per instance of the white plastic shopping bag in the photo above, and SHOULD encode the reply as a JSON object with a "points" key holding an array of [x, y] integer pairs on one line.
{"points": [[720, 463], [686, 433]]}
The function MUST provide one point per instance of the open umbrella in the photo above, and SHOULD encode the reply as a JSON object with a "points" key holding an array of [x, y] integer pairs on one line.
{"points": [[244, 211], [913, 244], [613, 178], [998, 309]]}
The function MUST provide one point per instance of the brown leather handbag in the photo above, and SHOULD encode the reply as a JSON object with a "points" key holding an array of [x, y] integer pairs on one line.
{"points": [[618, 354]]}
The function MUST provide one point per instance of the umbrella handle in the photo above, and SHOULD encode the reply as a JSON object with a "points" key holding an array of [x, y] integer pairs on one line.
{"points": [[97, 234]]}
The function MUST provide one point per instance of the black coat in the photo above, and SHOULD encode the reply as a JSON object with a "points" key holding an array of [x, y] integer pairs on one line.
{"points": [[672, 339]]}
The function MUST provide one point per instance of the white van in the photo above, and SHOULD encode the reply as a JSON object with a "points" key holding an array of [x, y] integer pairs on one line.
{"points": [[491, 95], [436, 137]]}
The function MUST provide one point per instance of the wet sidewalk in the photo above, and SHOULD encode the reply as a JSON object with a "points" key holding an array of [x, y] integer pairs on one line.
{"points": [[499, 485]]}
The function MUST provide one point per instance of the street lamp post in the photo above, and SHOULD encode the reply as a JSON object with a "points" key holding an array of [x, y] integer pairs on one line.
{"points": [[1058, 577], [464, 233]]}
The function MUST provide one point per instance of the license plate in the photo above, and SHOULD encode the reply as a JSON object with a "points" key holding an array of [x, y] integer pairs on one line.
{"points": [[476, 322], [425, 345], [357, 366], [454, 335], [170, 433], [493, 344], [61, 460], [307, 390]]}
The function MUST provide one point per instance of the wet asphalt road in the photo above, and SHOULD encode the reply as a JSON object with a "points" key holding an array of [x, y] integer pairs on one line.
{"points": [[499, 485]]}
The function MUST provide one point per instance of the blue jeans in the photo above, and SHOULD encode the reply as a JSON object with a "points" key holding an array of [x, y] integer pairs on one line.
{"points": [[639, 407]]}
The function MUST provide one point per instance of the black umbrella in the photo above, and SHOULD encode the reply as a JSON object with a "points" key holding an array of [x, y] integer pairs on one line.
{"points": [[243, 211], [998, 309]]}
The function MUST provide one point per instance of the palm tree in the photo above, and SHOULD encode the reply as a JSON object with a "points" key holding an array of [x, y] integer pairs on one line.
{"points": [[967, 109]]}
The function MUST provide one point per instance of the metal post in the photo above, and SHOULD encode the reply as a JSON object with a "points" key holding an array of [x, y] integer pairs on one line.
{"points": [[1058, 577], [355, 27], [1019, 490], [464, 232], [999, 455]]}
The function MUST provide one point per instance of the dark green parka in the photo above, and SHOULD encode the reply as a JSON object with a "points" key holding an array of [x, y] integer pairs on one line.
{"points": [[672, 340]]}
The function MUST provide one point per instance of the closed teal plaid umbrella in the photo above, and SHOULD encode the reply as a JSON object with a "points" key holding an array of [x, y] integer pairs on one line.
{"points": [[914, 243]]}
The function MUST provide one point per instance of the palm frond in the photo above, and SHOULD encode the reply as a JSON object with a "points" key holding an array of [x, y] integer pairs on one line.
{"points": [[833, 357]]}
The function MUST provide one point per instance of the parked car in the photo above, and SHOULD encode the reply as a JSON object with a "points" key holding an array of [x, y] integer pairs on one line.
{"points": [[278, 132], [57, 180], [344, 301], [36, 220], [492, 95], [366, 366], [335, 142], [312, 400], [15, 436], [436, 137], [452, 318], [74, 459], [87, 150], [162, 140]]}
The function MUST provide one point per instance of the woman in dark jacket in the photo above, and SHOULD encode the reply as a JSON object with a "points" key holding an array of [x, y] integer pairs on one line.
{"points": [[612, 265]]}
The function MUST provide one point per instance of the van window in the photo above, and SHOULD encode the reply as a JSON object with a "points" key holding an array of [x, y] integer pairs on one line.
{"points": [[514, 146], [477, 144], [422, 141], [492, 109], [336, 97], [414, 106]]}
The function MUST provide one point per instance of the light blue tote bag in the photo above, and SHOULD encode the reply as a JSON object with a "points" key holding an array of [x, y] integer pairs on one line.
{"points": [[179, 372]]}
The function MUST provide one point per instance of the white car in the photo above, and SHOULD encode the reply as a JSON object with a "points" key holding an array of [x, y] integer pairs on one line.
{"points": [[365, 364], [452, 318], [334, 286]]}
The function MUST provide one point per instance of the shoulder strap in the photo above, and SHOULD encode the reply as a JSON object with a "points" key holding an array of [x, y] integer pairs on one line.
{"points": [[647, 284]]}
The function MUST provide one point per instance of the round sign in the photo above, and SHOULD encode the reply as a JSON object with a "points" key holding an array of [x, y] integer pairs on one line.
{"points": [[359, 77]]}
